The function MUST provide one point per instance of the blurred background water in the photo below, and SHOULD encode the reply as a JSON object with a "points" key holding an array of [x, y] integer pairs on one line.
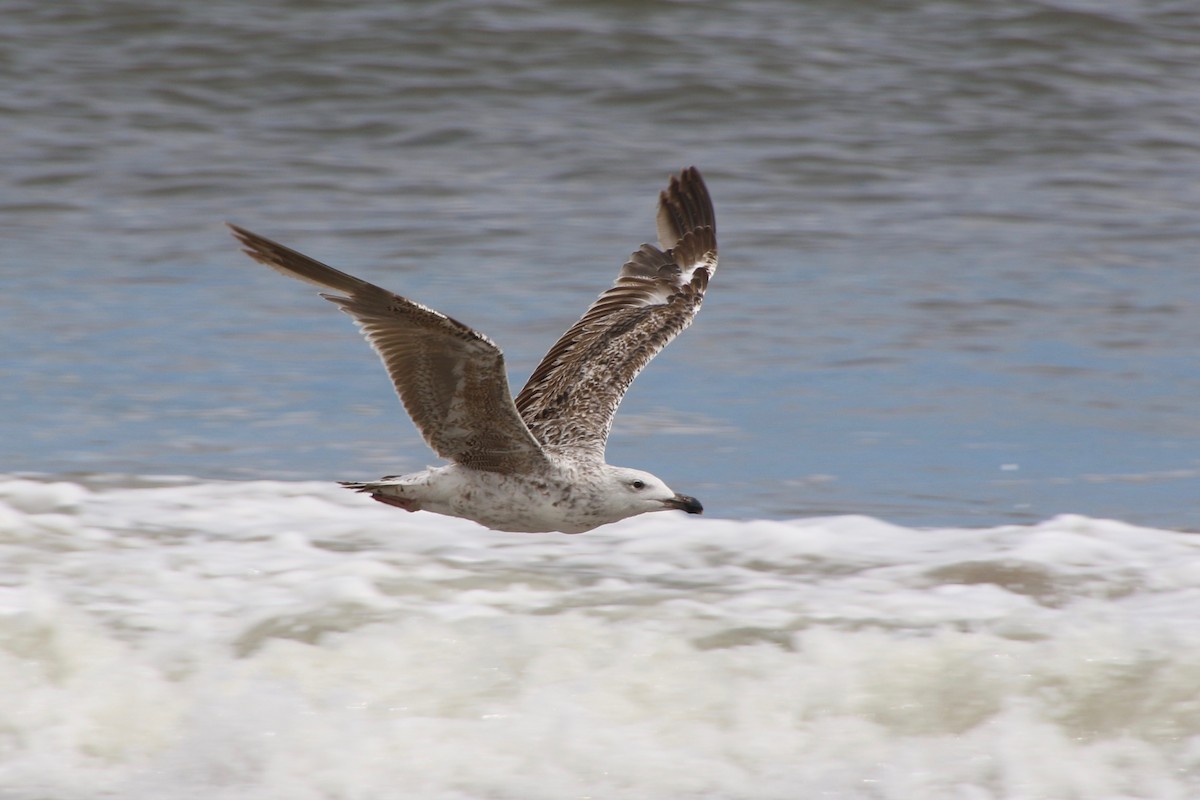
{"points": [[958, 280]]}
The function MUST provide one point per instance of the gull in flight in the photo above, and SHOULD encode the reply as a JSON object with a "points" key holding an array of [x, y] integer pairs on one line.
{"points": [[535, 464]]}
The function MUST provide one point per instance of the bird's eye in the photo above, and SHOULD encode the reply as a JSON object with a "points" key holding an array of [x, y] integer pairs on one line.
{"points": [[638, 484]]}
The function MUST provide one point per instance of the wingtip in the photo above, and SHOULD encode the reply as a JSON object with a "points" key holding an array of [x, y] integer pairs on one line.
{"points": [[252, 243], [294, 263], [690, 174], [246, 239], [254, 246], [684, 206], [238, 231]]}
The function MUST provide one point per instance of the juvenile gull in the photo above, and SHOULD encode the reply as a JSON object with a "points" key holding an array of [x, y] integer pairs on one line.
{"points": [[537, 464]]}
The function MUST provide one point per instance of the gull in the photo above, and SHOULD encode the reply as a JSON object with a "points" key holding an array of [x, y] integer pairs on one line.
{"points": [[534, 464]]}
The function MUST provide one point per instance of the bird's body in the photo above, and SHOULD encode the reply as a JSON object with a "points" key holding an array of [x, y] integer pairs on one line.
{"points": [[534, 464], [568, 497]]}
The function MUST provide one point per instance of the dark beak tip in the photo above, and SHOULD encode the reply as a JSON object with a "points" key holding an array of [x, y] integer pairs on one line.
{"points": [[689, 504]]}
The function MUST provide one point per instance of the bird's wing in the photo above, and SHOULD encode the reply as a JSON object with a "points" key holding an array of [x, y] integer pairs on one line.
{"points": [[450, 378], [572, 395]]}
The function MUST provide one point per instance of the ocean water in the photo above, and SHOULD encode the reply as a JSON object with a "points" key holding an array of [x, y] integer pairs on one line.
{"points": [[261, 639], [958, 280], [940, 405]]}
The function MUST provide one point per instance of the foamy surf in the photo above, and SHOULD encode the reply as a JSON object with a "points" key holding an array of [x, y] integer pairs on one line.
{"points": [[186, 639]]}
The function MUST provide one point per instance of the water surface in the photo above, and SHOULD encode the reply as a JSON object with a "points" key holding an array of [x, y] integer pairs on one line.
{"points": [[958, 280]]}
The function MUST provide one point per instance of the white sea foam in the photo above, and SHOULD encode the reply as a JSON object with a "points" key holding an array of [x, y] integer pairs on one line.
{"points": [[291, 640]]}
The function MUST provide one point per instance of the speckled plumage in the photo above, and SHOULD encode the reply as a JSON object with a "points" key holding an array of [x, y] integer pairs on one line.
{"points": [[535, 464]]}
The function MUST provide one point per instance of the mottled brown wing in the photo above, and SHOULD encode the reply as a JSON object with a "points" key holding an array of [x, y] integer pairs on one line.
{"points": [[450, 378], [572, 395]]}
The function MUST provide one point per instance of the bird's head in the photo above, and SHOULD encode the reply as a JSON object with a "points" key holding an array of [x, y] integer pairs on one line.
{"points": [[629, 492]]}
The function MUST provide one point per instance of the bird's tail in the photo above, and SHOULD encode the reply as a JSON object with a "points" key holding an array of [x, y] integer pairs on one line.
{"points": [[386, 491]]}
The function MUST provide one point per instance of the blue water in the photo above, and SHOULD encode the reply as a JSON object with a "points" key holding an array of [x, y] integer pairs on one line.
{"points": [[958, 280]]}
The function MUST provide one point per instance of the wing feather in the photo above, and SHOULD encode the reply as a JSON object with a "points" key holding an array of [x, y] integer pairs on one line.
{"points": [[571, 397], [450, 378]]}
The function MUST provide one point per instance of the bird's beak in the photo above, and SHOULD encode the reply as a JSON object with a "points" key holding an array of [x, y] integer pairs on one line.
{"points": [[684, 503]]}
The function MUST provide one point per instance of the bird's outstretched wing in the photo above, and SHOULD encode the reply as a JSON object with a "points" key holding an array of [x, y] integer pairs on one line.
{"points": [[450, 378], [572, 395]]}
